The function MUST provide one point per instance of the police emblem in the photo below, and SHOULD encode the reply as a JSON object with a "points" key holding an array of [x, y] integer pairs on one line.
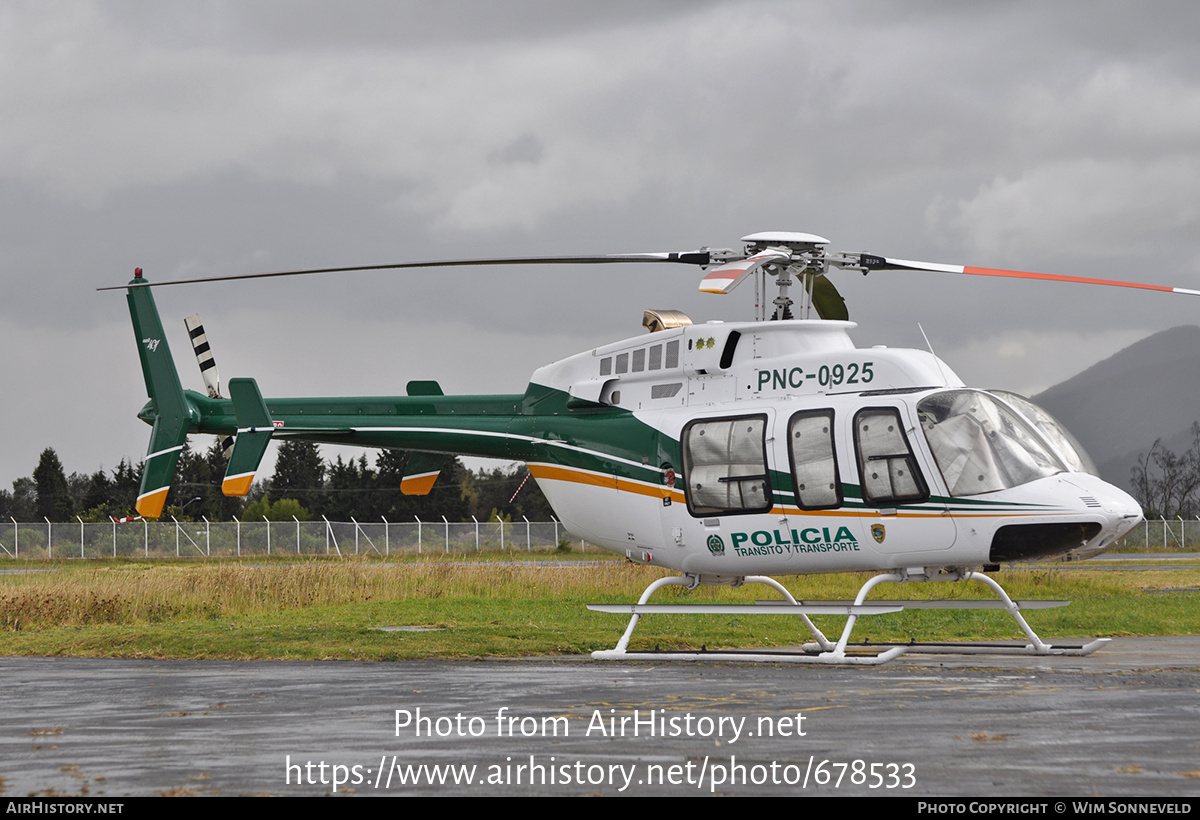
{"points": [[715, 545], [878, 533]]}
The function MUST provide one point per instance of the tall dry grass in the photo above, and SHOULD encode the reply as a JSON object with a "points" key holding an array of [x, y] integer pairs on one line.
{"points": [[154, 594]]}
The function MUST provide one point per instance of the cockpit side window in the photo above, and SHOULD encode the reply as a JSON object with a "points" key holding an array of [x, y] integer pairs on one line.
{"points": [[725, 466], [885, 460], [981, 445], [814, 462]]}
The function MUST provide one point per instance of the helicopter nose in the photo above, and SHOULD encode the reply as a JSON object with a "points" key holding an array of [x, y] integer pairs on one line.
{"points": [[1122, 511]]}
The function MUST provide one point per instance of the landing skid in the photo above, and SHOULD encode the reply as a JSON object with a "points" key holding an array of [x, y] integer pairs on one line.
{"points": [[823, 651]]}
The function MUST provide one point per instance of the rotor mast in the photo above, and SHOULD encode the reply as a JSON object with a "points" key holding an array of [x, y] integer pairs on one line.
{"points": [[790, 255]]}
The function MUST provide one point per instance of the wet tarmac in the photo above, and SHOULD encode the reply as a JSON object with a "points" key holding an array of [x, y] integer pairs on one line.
{"points": [[1124, 722]]}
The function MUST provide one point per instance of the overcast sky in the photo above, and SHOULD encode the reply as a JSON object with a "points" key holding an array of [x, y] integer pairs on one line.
{"points": [[224, 137]]}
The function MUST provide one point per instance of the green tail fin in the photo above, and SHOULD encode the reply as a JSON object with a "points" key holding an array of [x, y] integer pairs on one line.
{"points": [[172, 414], [421, 471], [254, 434]]}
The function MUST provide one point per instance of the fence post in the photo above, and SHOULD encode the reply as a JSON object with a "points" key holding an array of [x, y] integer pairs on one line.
{"points": [[49, 543], [176, 536], [80, 520], [114, 538], [146, 536], [528, 546], [555, 520], [387, 547], [476, 520], [297, 520], [329, 534], [501, 520], [17, 538], [355, 523], [447, 523], [268, 534], [207, 536], [239, 535], [418, 533]]}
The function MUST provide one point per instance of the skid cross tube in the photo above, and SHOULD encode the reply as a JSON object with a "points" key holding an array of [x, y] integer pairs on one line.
{"points": [[1036, 645], [824, 651], [789, 606]]}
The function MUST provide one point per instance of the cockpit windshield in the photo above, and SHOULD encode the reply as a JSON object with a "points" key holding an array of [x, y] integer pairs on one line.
{"points": [[1070, 450], [983, 445]]}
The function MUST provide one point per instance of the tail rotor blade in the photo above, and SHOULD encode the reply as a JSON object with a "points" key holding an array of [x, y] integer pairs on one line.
{"points": [[204, 356]]}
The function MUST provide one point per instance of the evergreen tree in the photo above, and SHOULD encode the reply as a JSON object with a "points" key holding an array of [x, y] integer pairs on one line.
{"points": [[510, 492], [125, 483], [99, 491], [53, 494], [77, 490], [24, 500], [299, 471]]}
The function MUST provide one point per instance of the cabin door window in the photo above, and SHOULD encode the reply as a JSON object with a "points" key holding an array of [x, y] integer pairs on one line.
{"points": [[725, 465], [885, 459], [814, 463]]}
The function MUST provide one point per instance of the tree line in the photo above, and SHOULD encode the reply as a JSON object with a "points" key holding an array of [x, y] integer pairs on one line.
{"points": [[1166, 483], [304, 485]]}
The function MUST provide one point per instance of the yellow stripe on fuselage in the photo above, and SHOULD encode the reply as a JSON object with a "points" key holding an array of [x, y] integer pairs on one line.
{"points": [[557, 472]]}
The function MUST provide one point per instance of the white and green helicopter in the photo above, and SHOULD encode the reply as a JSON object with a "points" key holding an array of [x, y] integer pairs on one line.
{"points": [[728, 451]]}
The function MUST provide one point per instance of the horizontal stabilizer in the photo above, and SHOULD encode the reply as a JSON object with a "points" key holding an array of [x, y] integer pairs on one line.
{"points": [[421, 472], [254, 434]]}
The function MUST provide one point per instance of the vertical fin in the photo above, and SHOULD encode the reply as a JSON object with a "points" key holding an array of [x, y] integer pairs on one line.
{"points": [[254, 434], [421, 472], [172, 414]]}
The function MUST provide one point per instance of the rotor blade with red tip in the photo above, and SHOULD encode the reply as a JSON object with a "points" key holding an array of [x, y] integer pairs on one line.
{"points": [[730, 275], [871, 262]]}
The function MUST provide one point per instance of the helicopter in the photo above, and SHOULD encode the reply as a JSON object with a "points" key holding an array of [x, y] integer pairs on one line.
{"points": [[729, 452]]}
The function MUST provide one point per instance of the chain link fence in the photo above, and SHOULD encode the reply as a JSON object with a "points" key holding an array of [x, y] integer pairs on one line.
{"points": [[1163, 535], [192, 539]]}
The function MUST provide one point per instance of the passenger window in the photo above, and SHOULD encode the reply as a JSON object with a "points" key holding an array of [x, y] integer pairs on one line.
{"points": [[814, 463], [725, 464], [885, 460]]}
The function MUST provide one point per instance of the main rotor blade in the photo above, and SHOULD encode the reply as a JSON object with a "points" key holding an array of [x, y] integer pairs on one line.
{"points": [[700, 258], [870, 262], [828, 303], [730, 275]]}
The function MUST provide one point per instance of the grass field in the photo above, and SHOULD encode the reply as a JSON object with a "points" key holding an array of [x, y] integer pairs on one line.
{"points": [[500, 607]]}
